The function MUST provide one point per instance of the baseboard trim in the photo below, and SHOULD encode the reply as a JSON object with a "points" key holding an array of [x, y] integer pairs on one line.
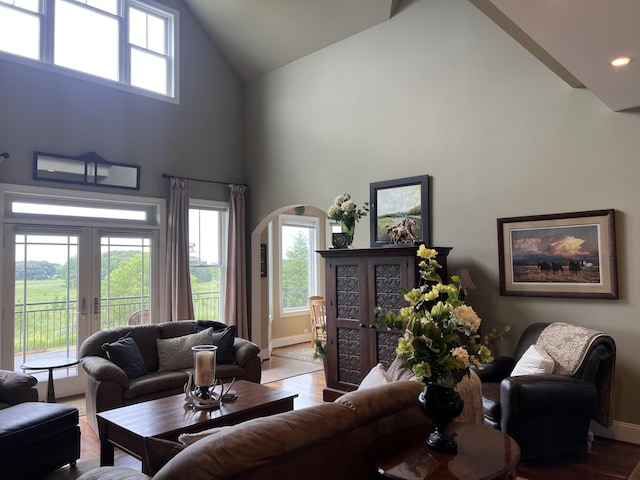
{"points": [[265, 353], [621, 431]]}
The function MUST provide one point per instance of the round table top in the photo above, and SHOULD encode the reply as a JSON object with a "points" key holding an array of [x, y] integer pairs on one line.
{"points": [[483, 452], [46, 363]]}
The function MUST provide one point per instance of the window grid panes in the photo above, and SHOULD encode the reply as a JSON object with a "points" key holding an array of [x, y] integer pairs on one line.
{"points": [[205, 255], [87, 36], [297, 262]]}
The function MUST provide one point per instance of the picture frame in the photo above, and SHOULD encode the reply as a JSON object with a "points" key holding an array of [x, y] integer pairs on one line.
{"points": [[393, 201], [263, 260], [569, 255]]}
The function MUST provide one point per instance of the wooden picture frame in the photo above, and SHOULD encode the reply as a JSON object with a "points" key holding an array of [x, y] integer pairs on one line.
{"points": [[561, 255], [392, 201], [263, 260]]}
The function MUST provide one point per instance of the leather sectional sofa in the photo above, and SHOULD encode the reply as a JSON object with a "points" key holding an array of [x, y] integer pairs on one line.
{"points": [[35, 437], [108, 386], [330, 440]]}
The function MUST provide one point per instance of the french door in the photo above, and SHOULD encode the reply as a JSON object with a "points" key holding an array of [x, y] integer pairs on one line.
{"points": [[68, 282]]}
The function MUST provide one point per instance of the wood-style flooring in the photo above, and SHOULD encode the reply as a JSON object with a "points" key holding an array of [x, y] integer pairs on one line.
{"points": [[608, 460]]}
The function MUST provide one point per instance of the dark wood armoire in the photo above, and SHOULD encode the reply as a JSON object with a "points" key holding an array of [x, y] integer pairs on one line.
{"points": [[358, 280]]}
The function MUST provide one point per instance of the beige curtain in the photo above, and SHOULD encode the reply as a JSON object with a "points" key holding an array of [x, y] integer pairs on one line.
{"points": [[178, 284], [236, 295]]}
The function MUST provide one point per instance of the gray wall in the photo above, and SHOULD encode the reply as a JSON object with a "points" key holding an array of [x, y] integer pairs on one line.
{"points": [[201, 137], [441, 90]]}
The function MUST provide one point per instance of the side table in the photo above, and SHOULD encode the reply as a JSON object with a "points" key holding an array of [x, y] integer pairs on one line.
{"points": [[483, 452], [49, 364]]}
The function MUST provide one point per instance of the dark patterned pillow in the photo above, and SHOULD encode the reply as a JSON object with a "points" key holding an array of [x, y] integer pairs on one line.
{"points": [[224, 341], [125, 353]]}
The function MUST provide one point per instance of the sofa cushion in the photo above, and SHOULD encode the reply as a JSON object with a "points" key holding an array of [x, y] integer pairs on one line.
{"points": [[27, 423], [224, 341], [189, 438], [535, 361], [376, 376], [175, 353], [125, 353], [14, 386], [150, 384]]}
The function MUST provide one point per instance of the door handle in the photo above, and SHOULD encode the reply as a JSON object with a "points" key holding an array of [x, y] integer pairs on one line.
{"points": [[96, 306], [83, 306]]}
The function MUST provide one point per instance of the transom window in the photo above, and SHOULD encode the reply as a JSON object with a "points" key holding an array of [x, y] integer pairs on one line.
{"points": [[129, 42]]}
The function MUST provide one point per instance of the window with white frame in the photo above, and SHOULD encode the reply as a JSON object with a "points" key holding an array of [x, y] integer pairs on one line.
{"points": [[298, 264], [129, 42], [207, 249]]}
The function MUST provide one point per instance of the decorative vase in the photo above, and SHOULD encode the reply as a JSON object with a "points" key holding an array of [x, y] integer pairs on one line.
{"points": [[441, 405], [349, 227]]}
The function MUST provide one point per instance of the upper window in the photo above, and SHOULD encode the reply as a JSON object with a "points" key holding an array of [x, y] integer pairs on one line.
{"points": [[124, 41]]}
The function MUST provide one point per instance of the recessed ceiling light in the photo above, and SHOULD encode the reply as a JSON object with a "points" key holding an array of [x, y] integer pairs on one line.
{"points": [[620, 61]]}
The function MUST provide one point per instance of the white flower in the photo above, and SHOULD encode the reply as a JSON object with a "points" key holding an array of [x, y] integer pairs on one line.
{"points": [[466, 316], [461, 354]]}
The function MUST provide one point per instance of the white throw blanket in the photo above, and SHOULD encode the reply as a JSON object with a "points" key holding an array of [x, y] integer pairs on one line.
{"points": [[567, 345]]}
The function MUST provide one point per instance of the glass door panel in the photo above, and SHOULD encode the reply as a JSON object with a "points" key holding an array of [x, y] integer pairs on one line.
{"points": [[125, 280], [46, 299]]}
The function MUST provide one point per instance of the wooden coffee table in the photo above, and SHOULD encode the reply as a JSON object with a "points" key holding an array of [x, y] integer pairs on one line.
{"points": [[483, 452], [126, 427]]}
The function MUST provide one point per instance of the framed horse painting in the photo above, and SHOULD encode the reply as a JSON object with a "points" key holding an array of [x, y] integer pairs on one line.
{"points": [[400, 212], [559, 255]]}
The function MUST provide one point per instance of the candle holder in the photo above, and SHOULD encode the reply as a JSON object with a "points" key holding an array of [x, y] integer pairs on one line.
{"points": [[204, 378]]}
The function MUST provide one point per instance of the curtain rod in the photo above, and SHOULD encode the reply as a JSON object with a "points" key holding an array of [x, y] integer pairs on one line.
{"points": [[166, 175]]}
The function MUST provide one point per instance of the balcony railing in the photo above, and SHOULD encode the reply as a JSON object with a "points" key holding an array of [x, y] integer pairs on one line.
{"points": [[52, 326]]}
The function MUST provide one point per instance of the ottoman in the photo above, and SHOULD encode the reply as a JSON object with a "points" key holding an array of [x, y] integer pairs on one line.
{"points": [[36, 438]]}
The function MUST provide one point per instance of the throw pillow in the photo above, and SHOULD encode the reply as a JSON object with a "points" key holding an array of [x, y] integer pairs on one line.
{"points": [[125, 353], [189, 438], [400, 370], [224, 341], [14, 385], [217, 326], [159, 452], [377, 376], [535, 361], [175, 353]]}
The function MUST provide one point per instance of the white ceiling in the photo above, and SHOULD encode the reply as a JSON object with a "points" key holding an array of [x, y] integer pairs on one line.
{"points": [[575, 38]]}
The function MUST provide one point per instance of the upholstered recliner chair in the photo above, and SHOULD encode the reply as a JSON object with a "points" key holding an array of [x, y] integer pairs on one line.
{"points": [[559, 378]]}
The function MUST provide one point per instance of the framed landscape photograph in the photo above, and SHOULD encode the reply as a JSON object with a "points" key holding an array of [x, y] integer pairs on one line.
{"points": [[559, 255], [399, 206]]}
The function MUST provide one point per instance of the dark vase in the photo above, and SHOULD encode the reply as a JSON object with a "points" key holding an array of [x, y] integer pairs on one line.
{"points": [[441, 405]]}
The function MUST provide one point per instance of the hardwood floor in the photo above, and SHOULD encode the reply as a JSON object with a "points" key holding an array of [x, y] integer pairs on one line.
{"points": [[608, 460]]}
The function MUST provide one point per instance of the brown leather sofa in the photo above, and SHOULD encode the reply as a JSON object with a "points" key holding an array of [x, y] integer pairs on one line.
{"points": [[107, 386], [35, 437], [330, 440]]}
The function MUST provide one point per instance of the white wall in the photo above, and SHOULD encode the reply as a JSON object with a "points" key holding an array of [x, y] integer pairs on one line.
{"points": [[441, 90]]}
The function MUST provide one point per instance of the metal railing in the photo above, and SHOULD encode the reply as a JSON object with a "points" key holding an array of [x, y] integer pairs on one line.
{"points": [[52, 326]]}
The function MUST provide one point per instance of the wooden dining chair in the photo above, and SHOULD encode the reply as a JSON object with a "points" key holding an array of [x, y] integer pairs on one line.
{"points": [[318, 309]]}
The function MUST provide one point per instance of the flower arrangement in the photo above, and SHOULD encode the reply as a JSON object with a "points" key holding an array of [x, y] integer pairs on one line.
{"points": [[345, 211], [441, 339]]}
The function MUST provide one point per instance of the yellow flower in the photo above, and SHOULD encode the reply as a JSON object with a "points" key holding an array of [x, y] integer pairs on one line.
{"points": [[461, 354], [404, 347], [413, 296], [424, 252], [422, 370]]}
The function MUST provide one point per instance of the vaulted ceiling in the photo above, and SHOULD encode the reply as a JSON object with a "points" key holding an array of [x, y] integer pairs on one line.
{"points": [[576, 39]]}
